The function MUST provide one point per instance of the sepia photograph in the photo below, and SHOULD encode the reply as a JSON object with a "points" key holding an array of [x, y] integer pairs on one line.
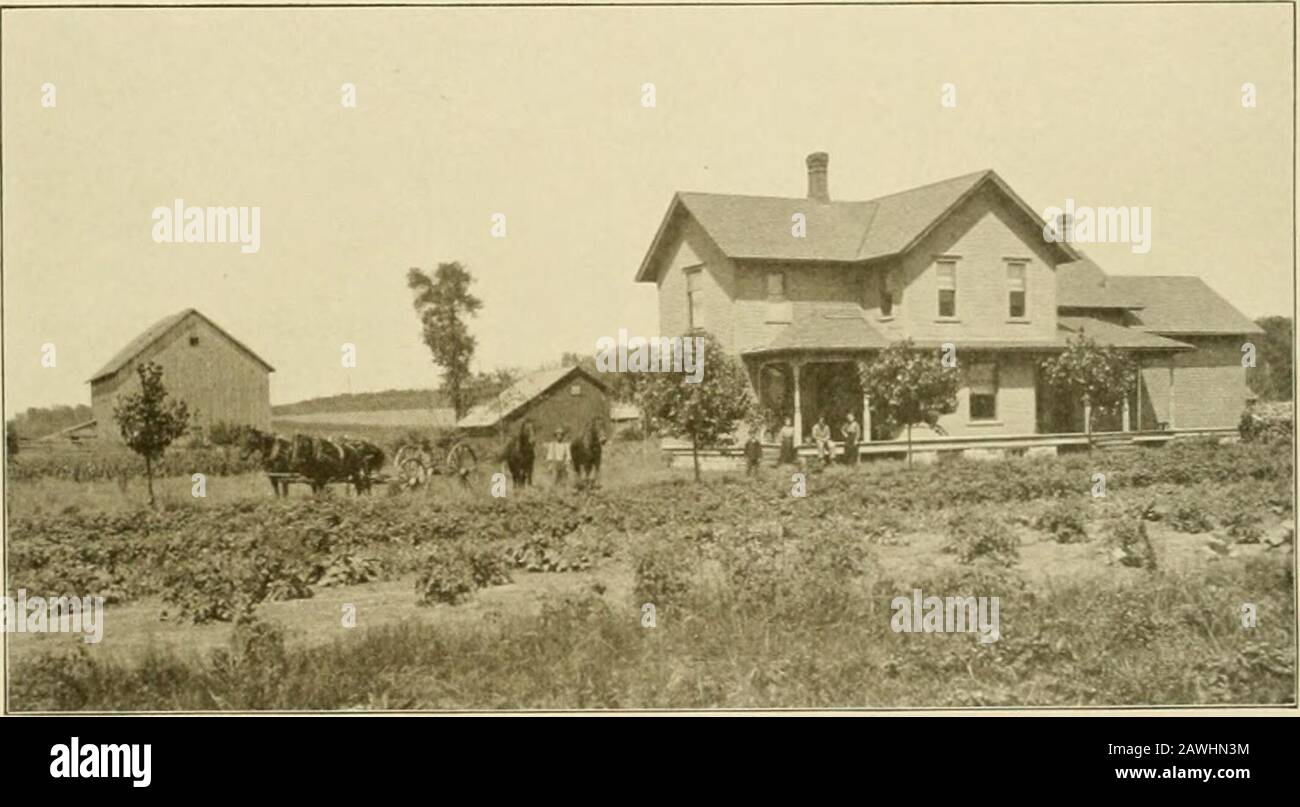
{"points": [[648, 358]]}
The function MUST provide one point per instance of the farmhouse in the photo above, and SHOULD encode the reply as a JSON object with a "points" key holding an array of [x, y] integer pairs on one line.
{"points": [[568, 397], [216, 375], [801, 289]]}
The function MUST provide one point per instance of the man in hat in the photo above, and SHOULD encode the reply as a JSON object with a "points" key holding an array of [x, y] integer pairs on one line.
{"points": [[558, 456]]}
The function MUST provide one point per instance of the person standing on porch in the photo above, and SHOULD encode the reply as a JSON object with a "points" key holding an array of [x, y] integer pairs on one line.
{"points": [[852, 432], [788, 455], [821, 435]]}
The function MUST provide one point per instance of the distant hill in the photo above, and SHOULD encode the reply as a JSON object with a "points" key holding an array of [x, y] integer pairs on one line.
{"points": [[384, 401]]}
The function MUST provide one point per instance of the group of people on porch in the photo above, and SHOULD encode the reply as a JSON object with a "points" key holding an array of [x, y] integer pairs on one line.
{"points": [[849, 431]]}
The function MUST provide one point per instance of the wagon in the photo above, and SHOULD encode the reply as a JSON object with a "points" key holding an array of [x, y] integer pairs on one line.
{"points": [[417, 462]]}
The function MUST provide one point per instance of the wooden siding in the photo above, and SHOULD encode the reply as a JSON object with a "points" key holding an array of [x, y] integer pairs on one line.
{"points": [[217, 380]]}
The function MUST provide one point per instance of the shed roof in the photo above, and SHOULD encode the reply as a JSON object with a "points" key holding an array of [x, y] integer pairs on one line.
{"points": [[1174, 304], [520, 394]]}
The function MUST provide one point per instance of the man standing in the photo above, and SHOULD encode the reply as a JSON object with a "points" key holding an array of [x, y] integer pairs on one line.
{"points": [[821, 435], [558, 456], [852, 432]]}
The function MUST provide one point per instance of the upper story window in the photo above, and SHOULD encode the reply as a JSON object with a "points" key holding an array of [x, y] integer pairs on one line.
{"points": [[886, 294], [983, 382], [947, 288], [1016, 289], [194, 341], [778, 305], [695, 298], [776, 287]]}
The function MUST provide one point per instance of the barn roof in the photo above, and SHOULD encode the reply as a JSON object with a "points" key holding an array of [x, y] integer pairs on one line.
{"points": [[758, 227], [520, 394], [159, 330]]}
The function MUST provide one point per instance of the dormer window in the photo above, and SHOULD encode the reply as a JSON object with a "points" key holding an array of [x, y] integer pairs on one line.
{"points": [[778, 306]]}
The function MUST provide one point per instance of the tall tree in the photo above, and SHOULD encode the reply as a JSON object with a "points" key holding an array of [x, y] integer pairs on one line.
{"points": [[909, 387], [705, 411], [150, 419], [444, 303], [1272, 376], [1091, 374]]}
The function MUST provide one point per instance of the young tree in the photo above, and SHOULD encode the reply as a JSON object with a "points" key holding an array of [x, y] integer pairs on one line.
{"points": [[703, 412], [1096, 375], [443, 303], [149, 420], [909, 386]]}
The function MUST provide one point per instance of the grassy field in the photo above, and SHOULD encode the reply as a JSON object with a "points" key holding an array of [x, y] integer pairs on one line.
{"points": [[456, 599]]}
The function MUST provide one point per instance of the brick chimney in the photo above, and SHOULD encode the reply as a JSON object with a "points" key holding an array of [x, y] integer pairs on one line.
{"points": [[817, 185]]}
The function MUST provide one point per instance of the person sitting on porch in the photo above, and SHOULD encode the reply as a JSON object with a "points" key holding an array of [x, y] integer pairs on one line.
{"points": [[821, 435], [788, 455], [852, 432]]}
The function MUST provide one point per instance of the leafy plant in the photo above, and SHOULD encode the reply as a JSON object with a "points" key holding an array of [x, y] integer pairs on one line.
{"points": [[909, 387], [149, 420]]}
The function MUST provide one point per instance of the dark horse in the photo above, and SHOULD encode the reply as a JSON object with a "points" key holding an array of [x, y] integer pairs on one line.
{"points": [[363, 461], [322, 461], [275, 453], [586, 451], [519, 455]]}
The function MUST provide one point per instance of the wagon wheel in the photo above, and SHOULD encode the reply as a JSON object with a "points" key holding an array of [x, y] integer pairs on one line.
{"points": [[411, 469], [462, 462]]}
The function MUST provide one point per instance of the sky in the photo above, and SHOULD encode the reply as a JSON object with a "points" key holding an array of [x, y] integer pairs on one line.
{"points": [[537, 114]]}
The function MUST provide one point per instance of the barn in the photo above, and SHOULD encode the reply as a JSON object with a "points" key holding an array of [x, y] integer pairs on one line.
{"points": [[216, 375], [568, 397]]}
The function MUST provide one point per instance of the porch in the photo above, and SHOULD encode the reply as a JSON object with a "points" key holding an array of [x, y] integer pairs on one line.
{"points": [[1001, 401]]}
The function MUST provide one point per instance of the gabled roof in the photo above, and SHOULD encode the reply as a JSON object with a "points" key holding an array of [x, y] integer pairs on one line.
{"points": [[1107, 333], [758, 227], [1182, 305], [159, 330], [1083, 284], [520, 394]]}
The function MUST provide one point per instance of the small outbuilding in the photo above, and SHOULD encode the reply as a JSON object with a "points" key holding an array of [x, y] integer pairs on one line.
{"points": [[568, 397]]}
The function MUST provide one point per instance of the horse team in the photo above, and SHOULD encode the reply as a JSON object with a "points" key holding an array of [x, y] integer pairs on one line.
{"points": [[318, 460], [321, 461]]}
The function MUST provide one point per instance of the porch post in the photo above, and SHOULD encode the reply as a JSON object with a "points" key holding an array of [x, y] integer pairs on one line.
{"points": [[1171, 393], [1087, 416], [1125, 424], [798, 412], [866, 418], [1139, 394]]}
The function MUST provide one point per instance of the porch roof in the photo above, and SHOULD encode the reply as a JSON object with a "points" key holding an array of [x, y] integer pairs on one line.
{"points": [[832, 332], [824, 331], [1108, 333]]}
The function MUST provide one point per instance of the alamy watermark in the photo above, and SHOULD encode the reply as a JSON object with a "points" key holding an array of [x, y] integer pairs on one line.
{"points": [[1099, 225], [179, 224], [23, 614], [658, 354], [946, 615]]}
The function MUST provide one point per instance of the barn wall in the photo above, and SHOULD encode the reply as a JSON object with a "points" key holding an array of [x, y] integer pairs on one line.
{"points": [[217, 380], [559, 407]]}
